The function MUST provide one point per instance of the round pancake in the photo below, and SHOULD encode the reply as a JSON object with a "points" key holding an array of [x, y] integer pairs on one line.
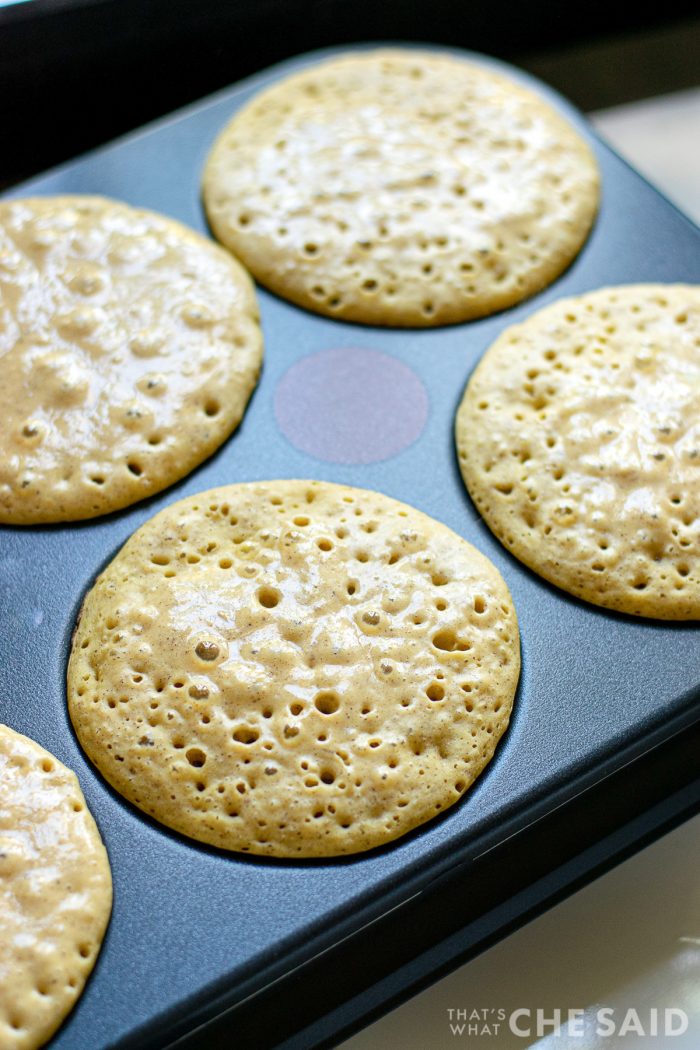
{"points": [[129, 347], [579, 441], [55, 892], [293, 668], [401, 187]]}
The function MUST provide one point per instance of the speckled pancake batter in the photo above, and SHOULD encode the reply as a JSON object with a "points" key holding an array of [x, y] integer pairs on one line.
{"points": [[401, 187], [129, 346], [294, 668], [55, 892], [579, 442]]}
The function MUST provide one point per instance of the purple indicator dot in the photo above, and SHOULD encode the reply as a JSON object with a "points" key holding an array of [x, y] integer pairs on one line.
{"points": [[351, 406]]}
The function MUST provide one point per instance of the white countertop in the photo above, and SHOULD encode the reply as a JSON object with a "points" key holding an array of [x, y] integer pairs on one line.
{"points": [[660, 137], [629, 943]]}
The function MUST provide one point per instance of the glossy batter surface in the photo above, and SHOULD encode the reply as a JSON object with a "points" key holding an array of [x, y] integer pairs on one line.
{"points": [[294, 668], [55, 892], [401, 187], [129, 346], [579, 442]]}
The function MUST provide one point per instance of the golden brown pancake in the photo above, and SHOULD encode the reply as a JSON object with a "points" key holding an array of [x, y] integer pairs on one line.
{"points": [[401, 187], [579, 442], [294, 668]]}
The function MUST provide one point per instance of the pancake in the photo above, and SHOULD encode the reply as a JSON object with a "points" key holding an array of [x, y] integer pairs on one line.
{"points": [[293, 668], [579, 441], [401, 187], [129, 346], [55, 892]]}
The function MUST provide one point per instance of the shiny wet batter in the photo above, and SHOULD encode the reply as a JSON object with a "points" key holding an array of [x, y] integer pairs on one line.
{"points": [[129, 346], [401, 187], [55, 892]]}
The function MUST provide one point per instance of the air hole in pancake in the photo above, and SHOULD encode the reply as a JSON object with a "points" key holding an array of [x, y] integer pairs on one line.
{"points": [[246, 735], [327, 703], [449, 642], [195, 756], [268, 597]]}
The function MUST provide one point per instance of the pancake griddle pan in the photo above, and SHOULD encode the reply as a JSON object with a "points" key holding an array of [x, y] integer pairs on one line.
{"points": [[195, 931]]}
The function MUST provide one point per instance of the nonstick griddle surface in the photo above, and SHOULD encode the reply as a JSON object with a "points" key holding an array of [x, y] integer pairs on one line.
{"points": [[597, 689]]}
